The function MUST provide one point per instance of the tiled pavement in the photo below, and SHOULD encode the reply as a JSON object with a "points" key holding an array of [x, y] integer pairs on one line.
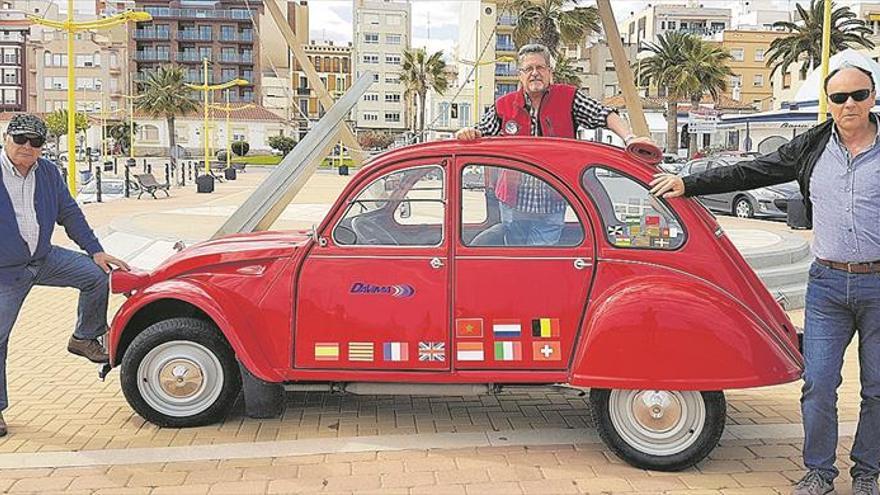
{"points": [[59, 406]]}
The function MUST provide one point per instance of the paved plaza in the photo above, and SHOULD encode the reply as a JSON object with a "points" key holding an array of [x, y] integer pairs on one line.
{"points": [[71, 433]]}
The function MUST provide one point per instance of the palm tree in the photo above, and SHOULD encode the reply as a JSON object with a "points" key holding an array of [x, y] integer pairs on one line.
{"points": [[551, 22], [121, 134], [420, 74], [166, 95], [687, 67], [805, 41], [565, 72]]}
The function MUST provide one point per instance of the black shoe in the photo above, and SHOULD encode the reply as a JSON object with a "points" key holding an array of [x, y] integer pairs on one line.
{"points": [[3, 429], [90, 349]]}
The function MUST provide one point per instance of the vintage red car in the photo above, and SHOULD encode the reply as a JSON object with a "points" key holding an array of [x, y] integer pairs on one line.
{"points": [[414, 284]]}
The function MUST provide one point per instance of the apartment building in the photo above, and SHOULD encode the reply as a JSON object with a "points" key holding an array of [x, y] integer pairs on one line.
{"points": [[333, 63], [14, 31]]}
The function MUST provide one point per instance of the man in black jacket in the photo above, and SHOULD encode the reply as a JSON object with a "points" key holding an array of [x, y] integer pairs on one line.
{"points": [[837, 164]]}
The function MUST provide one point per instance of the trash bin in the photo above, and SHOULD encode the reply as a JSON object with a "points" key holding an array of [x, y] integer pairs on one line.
{"points": [[229, 173], [85, 176], [343, 170], [108, 166], [205, 184]]}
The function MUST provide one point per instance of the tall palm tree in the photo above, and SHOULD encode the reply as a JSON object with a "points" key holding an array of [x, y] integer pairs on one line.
{"points": [[688, 68], [551, 22], [165, 95], [805, 41], [420, 74], [566, 72]]}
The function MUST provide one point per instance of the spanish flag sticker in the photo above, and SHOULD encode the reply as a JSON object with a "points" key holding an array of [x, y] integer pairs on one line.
{"points": [[545, 328], [326, 352]]}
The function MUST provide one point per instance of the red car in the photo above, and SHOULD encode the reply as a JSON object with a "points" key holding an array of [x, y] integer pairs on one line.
{"points": [[413, 284]]}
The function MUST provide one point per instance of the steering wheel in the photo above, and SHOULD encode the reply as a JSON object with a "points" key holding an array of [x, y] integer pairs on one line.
{"points": [[371, 233]]}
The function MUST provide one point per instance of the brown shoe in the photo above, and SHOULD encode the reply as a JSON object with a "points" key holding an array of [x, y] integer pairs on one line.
{"points": [[90, 349], [3, 429]]}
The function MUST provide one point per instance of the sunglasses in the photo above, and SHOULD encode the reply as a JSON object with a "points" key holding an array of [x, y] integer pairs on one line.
{"points": [[859, 95], [36, 141]]}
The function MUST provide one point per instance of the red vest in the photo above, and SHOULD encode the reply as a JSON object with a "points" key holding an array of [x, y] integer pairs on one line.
{"points": [[555, 114]]}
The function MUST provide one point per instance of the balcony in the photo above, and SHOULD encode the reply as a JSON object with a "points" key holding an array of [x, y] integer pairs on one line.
{"points": [[506, 20], [505, 47], [242, 37], [506, 72], [151, 34], [193, 36], [244, 58], [303, 91], [191, 57], [151, 57], [166, 12]]}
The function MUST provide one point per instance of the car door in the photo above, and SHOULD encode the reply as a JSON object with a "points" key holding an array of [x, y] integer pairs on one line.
{"points": [[374, 292], [516, 305]]}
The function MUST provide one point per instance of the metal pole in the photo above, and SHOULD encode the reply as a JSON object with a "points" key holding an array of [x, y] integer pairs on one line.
{"points": [[228, 136], [127, 172], [207, 157], [826, 58], [89, 157], [130, 117], [168, 174], [71, 104], [477, 70], [98, 184]]}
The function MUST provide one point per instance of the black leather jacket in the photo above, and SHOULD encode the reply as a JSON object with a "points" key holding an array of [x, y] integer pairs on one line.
{"points": [[793, 160]]}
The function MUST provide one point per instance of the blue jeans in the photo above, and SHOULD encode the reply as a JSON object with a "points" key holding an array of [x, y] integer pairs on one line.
{"points": [[531, 229], [838, 306], [60, 268]]}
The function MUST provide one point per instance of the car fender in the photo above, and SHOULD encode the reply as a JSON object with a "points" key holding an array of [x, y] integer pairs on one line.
{"points": [[206, 298], [669, 330]]}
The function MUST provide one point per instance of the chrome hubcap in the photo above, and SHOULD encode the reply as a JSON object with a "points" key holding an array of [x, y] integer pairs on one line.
{"points": [[743, 209], [180, 378], [657, 422]]}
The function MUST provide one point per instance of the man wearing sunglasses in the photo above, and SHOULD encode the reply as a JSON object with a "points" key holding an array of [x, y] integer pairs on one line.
{"points": [[33, 198], [837, 164]]}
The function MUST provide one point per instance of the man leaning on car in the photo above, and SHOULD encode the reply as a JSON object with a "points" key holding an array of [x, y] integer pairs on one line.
{"points": [[837, 164], [33, 198]]}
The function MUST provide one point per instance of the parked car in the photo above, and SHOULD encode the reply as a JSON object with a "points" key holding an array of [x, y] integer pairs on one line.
{"points": [[111, 190], [762, 202], [643, 301]]}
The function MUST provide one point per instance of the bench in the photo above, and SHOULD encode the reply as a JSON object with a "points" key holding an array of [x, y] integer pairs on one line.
{"points": [[149, 184]]}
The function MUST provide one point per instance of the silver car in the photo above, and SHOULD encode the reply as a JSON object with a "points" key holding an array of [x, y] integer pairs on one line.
{"points": [[768, 201]]}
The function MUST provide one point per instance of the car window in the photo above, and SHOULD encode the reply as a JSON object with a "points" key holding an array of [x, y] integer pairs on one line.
{"points": [[402, 208], [631, 216], [698, 167], [505, 207]]}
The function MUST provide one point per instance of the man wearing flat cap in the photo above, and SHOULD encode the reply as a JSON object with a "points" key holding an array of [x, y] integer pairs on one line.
{"points": [[33, 198]]}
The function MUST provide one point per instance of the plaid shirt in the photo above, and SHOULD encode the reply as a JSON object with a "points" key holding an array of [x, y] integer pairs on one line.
{"points": [[21, 195], [534, 195]]}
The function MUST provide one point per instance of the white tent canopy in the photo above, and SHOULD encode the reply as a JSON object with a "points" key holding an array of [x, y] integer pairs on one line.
{"points": [[808, 94]]}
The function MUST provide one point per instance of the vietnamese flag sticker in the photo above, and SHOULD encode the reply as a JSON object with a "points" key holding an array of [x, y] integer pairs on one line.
{"points": [[468, 327]]}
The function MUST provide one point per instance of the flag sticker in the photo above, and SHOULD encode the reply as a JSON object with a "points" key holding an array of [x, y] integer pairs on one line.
{"points": [[326, 352], [506, 329], [469, 327], [469, 351], [395, 351], [545, 328], [508, 351], [432, 351], [360, 351], [546, 351]]}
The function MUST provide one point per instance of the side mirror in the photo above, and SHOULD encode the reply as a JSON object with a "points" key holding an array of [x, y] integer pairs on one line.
{"points": [[405, 209]]}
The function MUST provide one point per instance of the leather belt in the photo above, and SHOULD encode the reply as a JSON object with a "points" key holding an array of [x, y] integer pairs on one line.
{"points": [[866, 267]]}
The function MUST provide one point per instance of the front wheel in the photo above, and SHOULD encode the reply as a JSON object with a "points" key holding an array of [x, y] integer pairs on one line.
{"points": [[743, 208], [657, 429], [180, 372]]}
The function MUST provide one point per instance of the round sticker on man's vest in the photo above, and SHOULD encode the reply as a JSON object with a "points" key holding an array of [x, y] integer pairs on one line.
{"points": [[511, 127]]}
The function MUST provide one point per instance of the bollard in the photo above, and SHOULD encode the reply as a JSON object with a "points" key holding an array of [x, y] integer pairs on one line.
{"points": [[131, 162], [89, 157], [183, 174], [145, 165], [115, 165], [98, 184], [149, 168], [191, 167], [168, 174]]}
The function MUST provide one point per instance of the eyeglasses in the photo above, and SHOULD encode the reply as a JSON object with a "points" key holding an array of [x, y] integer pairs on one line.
{"points": [[840, 98], [36, 141], [533, 68]]}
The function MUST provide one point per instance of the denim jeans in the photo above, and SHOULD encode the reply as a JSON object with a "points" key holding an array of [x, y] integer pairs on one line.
{"points": [[60, 268], [531, 229], [838, 306]]}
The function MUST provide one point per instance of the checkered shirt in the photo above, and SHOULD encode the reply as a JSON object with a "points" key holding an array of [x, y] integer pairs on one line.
{"points": [[21, 194], [533, 194]]}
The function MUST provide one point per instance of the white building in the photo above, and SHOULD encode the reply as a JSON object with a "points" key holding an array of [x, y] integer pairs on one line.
{"points": [[449, 112], [688, 17], [382, 31]]}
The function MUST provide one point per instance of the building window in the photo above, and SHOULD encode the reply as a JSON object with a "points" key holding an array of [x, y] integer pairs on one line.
{"points": [[670, 25], [392, 98], [371, 97], [735, 81], [759, 55], [371, 58], [392, 59], [376, 77], [393, 39], [149, 132], [371, 19], [759, 80], [371, 117], [392, 116], [392, 78], [737, 54], [393, 20], [371, 38], [786, 80]]}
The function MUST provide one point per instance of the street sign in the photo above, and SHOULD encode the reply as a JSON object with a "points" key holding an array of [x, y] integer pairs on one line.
{"points": [[702, 120]]}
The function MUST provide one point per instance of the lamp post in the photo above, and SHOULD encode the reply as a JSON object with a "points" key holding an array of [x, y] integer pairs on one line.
{"points": [[826, 58], [229, 108], [207, 88], [71, 28]]}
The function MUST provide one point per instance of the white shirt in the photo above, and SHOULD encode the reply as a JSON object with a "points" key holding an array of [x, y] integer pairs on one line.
{"points": [[21, 193]]}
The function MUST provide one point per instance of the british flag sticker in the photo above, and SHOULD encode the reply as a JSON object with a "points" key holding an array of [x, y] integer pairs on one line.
{"points": [[432, 351]]}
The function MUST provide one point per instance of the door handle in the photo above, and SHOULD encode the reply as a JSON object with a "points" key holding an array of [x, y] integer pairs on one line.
{"points": [[436, 263], [580, 264]]}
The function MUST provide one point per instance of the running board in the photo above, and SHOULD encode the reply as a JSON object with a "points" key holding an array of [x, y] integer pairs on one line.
{"points": [[430, 389]]}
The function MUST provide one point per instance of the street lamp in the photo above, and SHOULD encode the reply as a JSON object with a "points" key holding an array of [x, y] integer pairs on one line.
{"points": [[477, 65], [228, 108], [207, 88], [71, 28]]}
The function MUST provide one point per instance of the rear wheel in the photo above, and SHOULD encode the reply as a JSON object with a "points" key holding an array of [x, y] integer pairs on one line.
{"points": [[743, 208], [657, 429], [180, 372]]}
